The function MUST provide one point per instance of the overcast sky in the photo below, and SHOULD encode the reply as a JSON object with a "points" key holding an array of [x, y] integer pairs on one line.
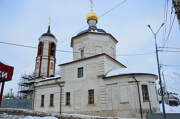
{"points": [[24, 21]]}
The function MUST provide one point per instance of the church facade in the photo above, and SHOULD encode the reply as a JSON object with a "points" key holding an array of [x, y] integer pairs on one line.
{"points": [[94, 83]]}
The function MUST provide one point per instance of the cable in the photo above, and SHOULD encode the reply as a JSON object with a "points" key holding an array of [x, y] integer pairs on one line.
{"points": [[170, 28], [167, 51], [169, 47], [116, 6], [165, 19], [148, 53], [26, 46], [169, 65], [108, 11]]}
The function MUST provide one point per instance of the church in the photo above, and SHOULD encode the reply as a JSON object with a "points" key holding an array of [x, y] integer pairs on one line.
{"points": [[94, 83]]}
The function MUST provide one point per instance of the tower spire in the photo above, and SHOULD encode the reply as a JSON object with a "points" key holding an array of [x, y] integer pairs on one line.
{"points": [[49, 24]]}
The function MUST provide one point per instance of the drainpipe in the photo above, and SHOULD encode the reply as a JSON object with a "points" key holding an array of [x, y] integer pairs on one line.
{"points": [[150, 107], [60, 105], [140, 106], [60, 110], [33, 98]]}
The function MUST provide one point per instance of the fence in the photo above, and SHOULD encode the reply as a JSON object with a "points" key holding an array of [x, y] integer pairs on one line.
{"points": [[168, 116], [17, 103]]}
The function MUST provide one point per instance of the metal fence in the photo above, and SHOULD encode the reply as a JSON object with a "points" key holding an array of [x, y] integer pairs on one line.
{"points": [[168, 116], [17, 103]]}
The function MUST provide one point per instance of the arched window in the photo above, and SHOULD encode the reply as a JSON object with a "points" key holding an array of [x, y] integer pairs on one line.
{"points": [[52, 51], [40, 48]]}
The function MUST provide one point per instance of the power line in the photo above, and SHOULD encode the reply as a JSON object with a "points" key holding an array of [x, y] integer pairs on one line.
{"points": [[170, 28], [168, 51], [108, 11], [171, 23], [116, 6], [148, 53], [170, 65], [27, 46], [169, 47]]}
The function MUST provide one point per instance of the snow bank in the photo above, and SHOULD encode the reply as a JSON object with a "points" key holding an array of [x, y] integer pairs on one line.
{"points": [[30, 114], [31, 117], [121, 71], [91, 117]]}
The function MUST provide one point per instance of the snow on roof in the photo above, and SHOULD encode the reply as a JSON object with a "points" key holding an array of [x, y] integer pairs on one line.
{"points": [[49, 78], [34, 117], [171, 109], [123, 71]]}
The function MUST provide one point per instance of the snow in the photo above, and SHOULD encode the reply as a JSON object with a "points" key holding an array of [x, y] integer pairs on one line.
{"points": [[49, 78], [91, 117], [31, 117], [122, 71], [171, 109], [7, 116], [44, 115], [172, 81]]}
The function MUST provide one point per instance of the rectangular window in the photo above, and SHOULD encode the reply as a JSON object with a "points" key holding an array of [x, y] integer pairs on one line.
{"points": [[91, 96], [80, 72], [42, 100], [145, 93], [67, 98], [51, 100], [82, 53]]}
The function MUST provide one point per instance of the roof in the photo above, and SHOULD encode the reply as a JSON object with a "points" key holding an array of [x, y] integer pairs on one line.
{"points": [[83, 59], [128, 71], [91, 31], [48, 33], [49, 78]]}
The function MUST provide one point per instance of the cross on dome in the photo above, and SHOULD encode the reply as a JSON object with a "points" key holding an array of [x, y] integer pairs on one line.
{"points": [[92, 18]]}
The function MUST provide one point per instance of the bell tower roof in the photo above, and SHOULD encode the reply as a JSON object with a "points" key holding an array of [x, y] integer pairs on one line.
{"points": [[48, 33]]}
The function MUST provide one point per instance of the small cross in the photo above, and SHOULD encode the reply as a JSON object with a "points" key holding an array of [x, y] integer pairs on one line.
{"points": [[49, 21], [92, 5]]}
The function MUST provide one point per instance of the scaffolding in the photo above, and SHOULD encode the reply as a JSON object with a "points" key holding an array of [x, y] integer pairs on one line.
{"points": [[26, 86]]}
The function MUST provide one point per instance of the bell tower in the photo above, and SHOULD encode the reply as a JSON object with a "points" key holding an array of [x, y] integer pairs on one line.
{"points": [[46, 55]]}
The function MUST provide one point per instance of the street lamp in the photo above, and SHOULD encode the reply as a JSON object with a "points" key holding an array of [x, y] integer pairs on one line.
{"points": [[158, 65]]}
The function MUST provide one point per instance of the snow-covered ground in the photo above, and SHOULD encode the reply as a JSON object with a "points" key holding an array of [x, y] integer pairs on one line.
{"points": [[171, 109], [172, 81], [30, 117], [6, 116], [91, 117]]}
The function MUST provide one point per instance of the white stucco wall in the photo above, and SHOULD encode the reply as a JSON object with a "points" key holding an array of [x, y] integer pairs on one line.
{"points": [[94, 44]]}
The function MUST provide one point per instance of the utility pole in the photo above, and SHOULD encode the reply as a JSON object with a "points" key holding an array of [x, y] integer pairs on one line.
{"points": [[158, 65]]}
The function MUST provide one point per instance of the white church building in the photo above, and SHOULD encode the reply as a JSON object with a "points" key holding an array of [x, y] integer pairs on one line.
{"points": [[94, 83]]}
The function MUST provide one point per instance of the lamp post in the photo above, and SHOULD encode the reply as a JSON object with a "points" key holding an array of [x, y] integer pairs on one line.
{"points": [[158, 65]]}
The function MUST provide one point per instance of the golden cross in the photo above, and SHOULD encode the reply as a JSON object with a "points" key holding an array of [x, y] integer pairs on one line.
{"points": [[92, 5], [49, 21]]}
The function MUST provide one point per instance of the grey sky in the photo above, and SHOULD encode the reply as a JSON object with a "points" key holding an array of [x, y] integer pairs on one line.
{"points": [[24, 21]]}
